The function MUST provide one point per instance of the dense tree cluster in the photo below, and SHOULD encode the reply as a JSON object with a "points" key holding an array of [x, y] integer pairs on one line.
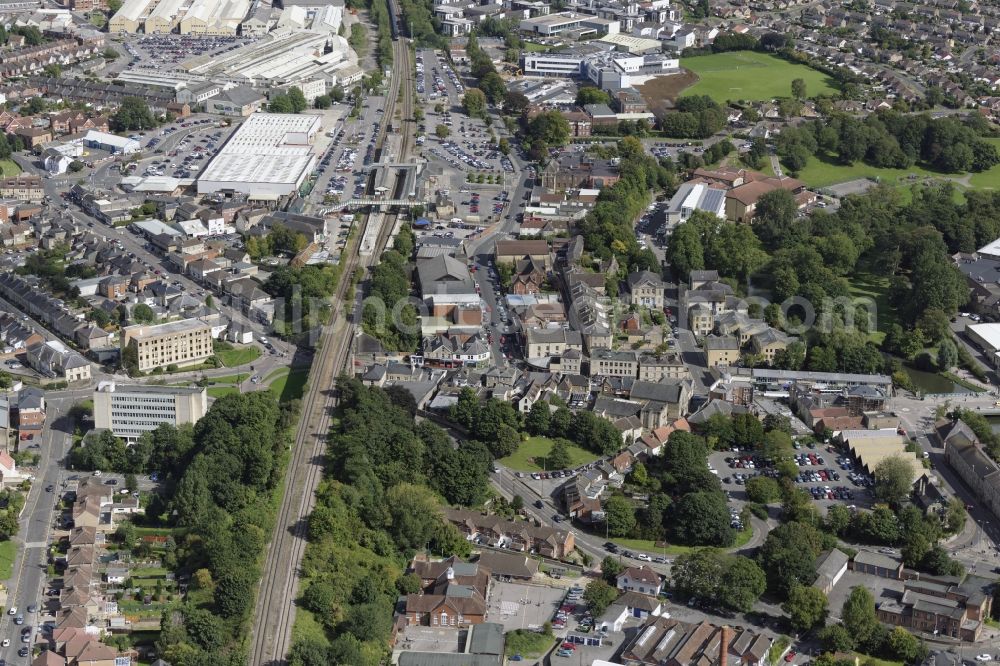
{"points": [[418, 21], [483, 71], [609, 228], [281, 240], [891, 139], [705, 240], [221, 476], [917, 535], [388, 316], [304, 292], [497, 423], [732, 582], [378, 505], [686, 503], [133, 114], [290, 101], [696, 117]]}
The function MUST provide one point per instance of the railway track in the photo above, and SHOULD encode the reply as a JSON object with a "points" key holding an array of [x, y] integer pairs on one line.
{"points": [[274, 616]]}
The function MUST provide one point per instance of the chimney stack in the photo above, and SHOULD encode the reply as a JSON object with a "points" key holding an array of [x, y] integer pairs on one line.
{"points": [[724, 645]]}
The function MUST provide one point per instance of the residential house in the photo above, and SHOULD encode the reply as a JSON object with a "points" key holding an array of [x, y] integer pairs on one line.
{"points": [[721, 351], [645, 288], [640, 579], [512, 535], [543, 342]]}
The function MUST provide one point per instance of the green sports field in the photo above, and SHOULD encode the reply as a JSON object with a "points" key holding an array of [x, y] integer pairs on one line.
{"points": [[748, 75]]}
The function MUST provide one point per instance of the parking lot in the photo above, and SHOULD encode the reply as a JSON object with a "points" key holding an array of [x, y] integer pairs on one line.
{"points": [[166, 51], [828, 475], [437, 80], [520, 606], [200, 141]]}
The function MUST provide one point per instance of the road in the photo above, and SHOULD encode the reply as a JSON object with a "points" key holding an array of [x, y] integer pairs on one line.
{"points": [[275, 612], [30, 565]]}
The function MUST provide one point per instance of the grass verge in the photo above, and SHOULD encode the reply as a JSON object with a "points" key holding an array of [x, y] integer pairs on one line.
{"points": [[241, 356], [290, 385], [964, 383], [8, 549]]}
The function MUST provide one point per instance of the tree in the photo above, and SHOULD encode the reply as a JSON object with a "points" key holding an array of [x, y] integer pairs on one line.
{"points": [[465, 409], [858, 615], [620, 516], [947, 356], [698, 573], [591, 95], [806, 607], [442, 131], [893, 479], [599, 595], [905, 647], [915, 549], [133, 114], [143, 314], [322, 102], [742, 584], [702, 519], [836, 638], [538, 419], [798, 89], [558, 457], [610, 568], [515, 102], [297, 100], [474, 102], [280, 103], [763, 490], [788, 556], [774, 221]]}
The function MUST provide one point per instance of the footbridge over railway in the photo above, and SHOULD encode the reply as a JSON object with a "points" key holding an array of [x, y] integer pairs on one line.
{"points": [[391, 185]]}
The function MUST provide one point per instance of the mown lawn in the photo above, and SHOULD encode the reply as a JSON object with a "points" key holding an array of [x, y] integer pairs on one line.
{"points": [[989, 179], [8, 549], [649, 546], [221, 391], [749, 75], [530, 455], [239, 356], [825, 170], [875, 287], [290, 384], [10, 168]]}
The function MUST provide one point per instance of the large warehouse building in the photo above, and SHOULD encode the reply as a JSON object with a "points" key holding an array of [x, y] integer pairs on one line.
{"points": [[267, 158]]}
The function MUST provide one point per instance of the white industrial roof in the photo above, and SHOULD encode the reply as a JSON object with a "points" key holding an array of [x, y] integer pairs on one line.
{"points": [[156, 227], [990, 333], [991, 249], [267, 148], [111, 139], [132, 9], [631, 43]]}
